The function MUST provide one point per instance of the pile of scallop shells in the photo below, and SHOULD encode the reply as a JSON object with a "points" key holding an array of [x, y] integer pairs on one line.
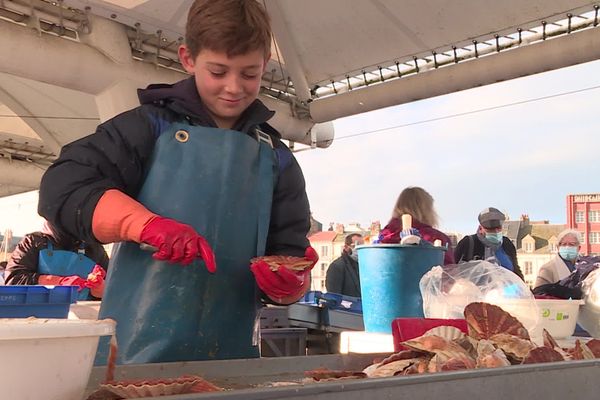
{"points": [[495, 339]]}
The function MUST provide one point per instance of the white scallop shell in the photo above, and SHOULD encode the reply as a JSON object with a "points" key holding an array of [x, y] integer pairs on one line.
{"points": [[153, 390], [445, 331]]}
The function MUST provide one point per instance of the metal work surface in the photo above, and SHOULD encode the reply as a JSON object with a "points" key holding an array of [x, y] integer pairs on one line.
{"points": [[250, 379]]}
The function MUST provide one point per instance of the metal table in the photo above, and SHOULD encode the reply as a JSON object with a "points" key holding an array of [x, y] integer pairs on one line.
{"points": [[323, 326], [247, 379]]}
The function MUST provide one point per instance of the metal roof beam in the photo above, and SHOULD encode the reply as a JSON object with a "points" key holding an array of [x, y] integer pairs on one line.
{"points": [[551, 54], [20, 173], [285, 44], [39, 128]]}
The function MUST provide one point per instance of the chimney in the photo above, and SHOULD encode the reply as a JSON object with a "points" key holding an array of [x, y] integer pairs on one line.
{"points": [[339, 228], [375, 228]]}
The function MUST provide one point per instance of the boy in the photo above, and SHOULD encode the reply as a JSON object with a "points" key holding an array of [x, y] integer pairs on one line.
{"points": [[195, 168]]}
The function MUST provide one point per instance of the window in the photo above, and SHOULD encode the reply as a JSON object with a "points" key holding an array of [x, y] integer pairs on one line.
{"points": [[322, 284], [594, 237], [582, 237], [594, 216], [579, 216], [323, 266], [528, 247], [553, 248], [324, 251], [528, 268], [529, 283]]}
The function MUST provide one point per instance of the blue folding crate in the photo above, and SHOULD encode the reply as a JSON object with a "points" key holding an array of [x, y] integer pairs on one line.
{"points": [[36, 301], [333, 301]]}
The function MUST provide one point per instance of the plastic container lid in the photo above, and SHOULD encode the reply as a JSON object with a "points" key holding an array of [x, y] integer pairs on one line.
{"points": [[37, 328]]}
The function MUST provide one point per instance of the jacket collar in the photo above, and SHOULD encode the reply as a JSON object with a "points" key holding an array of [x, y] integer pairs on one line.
{"points": [[182, 97]]}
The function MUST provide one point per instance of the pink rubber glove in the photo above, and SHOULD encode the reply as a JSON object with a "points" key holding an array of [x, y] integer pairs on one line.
{"points": [[95, 279], [177, 243], [284, 283], [72, 280]]}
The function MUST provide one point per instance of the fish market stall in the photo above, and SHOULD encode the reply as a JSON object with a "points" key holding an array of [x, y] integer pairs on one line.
{"points": [[281, 377]]}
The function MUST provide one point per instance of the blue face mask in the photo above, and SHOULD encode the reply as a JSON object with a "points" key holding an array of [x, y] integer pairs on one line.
{"points": [[494, 237], [568, 252]]}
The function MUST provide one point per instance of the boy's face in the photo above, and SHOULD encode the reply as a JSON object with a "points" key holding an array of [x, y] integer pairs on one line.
{"points": [[227, 85]]}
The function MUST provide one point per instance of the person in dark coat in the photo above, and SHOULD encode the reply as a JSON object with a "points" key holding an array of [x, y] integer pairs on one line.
{"points": [[196, 175], [342, 275], [23, 267], [2, 269], [489, 243]]}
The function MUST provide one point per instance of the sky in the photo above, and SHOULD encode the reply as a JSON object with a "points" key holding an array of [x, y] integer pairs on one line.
{"points": [[522, 159]]}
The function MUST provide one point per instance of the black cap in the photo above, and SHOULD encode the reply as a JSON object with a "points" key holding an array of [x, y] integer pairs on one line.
{"points": [[491, 218]]}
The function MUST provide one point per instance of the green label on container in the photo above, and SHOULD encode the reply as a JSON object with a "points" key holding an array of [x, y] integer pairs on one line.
{"points": [[545, 312]]}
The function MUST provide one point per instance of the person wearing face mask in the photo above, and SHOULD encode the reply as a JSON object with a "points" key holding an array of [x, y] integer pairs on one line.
{"points": [[489, 243], [569, 243], [342, 274]]}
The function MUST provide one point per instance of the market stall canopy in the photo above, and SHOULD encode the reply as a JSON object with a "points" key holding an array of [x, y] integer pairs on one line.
{"points": [[69, 64]]}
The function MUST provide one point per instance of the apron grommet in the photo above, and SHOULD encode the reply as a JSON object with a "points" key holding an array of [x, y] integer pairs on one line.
{"points": [[182, 136]]}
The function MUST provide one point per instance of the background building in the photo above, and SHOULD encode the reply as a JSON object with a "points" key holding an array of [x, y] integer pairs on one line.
{"points": [[8, 242], [536, 244], [329, 245], [323, 243], [583, 214]]}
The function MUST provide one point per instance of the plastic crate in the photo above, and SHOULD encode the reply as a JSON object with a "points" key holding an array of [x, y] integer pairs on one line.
{"points": [[36, 301], [409, 328], [334, 301], [283, 342]]}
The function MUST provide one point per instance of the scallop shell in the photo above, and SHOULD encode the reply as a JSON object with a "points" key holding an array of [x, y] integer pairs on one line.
{"points": [[542, 355], [289, 262], [445, 331], [594, 346], [485, 320], [159, 387]]}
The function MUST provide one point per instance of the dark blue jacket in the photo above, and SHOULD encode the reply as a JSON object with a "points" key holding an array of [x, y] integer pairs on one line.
{"points": [[117, 156]]}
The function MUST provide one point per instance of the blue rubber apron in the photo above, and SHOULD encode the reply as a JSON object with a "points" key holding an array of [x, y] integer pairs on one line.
{"points": [[221, 183], [66, 263]]}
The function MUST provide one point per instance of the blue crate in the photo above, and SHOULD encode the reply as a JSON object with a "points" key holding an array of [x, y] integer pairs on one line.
{"points": [[333, 301], [36, 301]]}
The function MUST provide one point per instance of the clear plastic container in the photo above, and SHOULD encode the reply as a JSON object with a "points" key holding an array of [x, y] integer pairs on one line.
{"points": [[48, 359]]}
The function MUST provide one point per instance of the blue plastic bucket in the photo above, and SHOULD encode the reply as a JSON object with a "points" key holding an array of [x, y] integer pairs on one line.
{"points": [[389, 281]]}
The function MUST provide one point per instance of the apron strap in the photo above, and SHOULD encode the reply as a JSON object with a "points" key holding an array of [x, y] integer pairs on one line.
{"points": [[264, 212]]}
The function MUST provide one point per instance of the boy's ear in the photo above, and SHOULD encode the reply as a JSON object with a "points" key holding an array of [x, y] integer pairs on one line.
{"points": [[187, 60]]}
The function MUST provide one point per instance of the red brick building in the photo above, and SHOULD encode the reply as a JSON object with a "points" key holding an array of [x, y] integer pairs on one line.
{"points": [[583, 214]]}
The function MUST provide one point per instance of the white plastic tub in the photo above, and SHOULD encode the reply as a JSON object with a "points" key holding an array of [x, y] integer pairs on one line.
{"points": [[559, 317], [48, 359]]}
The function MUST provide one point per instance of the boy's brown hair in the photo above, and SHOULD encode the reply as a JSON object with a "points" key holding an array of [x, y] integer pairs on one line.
{"points": [[235, 27]]}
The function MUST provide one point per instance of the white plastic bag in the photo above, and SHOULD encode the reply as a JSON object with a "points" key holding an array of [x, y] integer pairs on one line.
{"points": [[589, 313], [447, 290]]}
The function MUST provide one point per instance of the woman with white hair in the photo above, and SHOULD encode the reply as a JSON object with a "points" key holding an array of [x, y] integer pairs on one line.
{"points": [[569, 243]]}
